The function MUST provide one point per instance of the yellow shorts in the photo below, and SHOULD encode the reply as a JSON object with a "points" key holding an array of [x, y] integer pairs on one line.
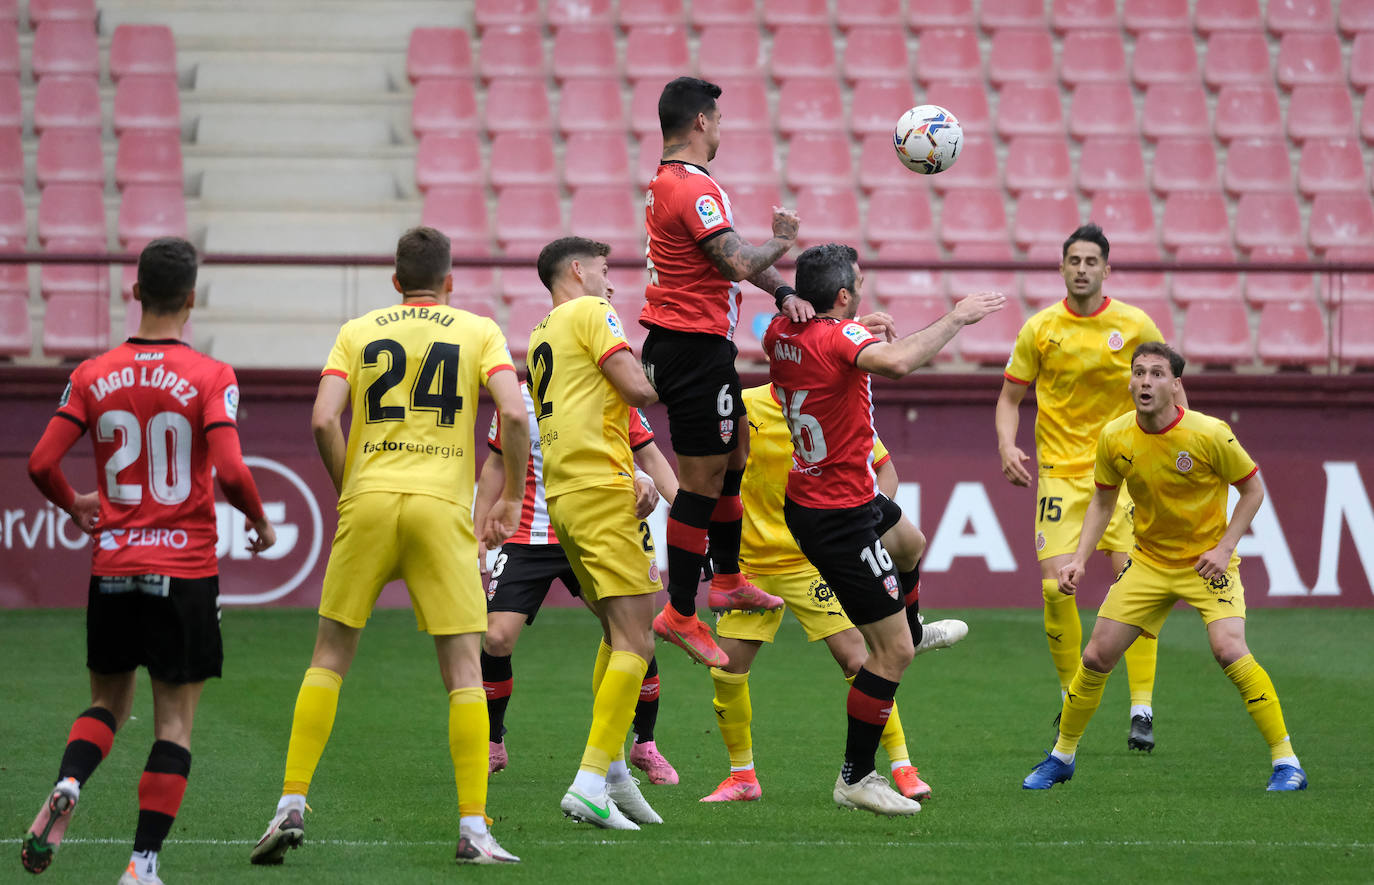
{"points": [[1145, 592], [1060, 505], [808, 597], [606, 548], [424, 540]]}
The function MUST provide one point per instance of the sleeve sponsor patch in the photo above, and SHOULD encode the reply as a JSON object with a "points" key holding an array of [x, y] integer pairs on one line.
{"points": [[708, 210], [856, 333], [613, 323], [231, 401]]}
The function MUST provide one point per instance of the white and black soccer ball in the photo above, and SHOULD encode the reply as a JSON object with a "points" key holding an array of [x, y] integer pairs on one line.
{"points": [[928, 139]]}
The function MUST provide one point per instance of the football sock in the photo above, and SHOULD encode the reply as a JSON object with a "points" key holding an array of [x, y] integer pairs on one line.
{"points": [[1085, 693], [617, 772], [646, 711], [1140, 669], [612, 710], [734, 713], [1262, 703], [726, 526], [869, 706], [498, 681], [603, 660], [89, 742], [311, 724], [159, 794], [910, 583], [1063, 629], [467, 728], [894, 736], [688, 520]]}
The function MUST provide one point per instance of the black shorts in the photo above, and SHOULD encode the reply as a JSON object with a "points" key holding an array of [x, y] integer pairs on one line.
{"points": [[844, 547], [522, 576], [694, 375], [169, 625]]}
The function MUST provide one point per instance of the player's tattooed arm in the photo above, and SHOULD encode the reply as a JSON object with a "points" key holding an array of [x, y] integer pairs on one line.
{"points": [[737, 260]]}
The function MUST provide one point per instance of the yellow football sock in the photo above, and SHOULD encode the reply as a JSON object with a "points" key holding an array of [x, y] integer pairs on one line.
{"points": [[894, 737], [311, 724], [613, 709], [468, 730], [1140, 669], [603, 659], [1262, 703], [1063, 629], [1085, 693], [734, 713]]}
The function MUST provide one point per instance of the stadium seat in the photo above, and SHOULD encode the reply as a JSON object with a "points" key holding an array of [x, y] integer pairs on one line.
{"points": [[948, 54], [648, 151], [879, 167], [900, 290], [973, 215], [1356, 16], [1366, 116], [444, 107], [143, 49], [1165, 57], [432, 52], [975, 167], [1107, 163], [1362, 61], [730, 51], [1268, 286], [146, 103], [65, 48], [1237, 57], [778, 14], [1216, 333], [1195, 218], [872, 105], [526, 216], [591, 104], [644, 107], [819, 159], [1158, 309], [1268, 219], [709, 13], [474, 285], [988, 342], [1175, 109], [1041, 288], [1332, 164], [997, 14], [1076, 15], [1093, 57], [927, 14], [61, 10], [1336, 288], [657, 53], [746, 100], [16, 335], [805, 51], [70, 156], [574, 13], [610, 214], [1320, 112], [522, 158], [14, 276], [1136, 285], [1307, 58], [525, 309], [831, 213], [1341, 220], [1354, 333], [1301, 15], [10, 59], [14, 225], [1037, 162], [1156, 15], [1205, 285], [1247, 111], [585, 51], [506, 13], [1258, 164], [899, 215], [656, 13], [517, 104], [148, 157], [1127, 215], [72, 210], [748, 158], [629, 304], [11, 157], [598, 158], [1106, 109], [1292, 333], [756, 312], [959, 283], [1227, 15], [1027, 109], [1185, 164], [12, 104], [1020, 55], [969, 96], [76, 324], [460, 211], [512, 51], [68, 101], [446, 160], [1044, 217], [57, 279], [149, 211], [752, 209], [809, 105], [876, 54]]}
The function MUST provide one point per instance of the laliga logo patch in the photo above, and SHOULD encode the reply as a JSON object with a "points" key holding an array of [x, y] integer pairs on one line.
{"points": [[727, 429], [1184, 462], [231, 401], [1039, 541], [708, 210], [1116, 340], [613, 322], [857, 333], [890, 585]]}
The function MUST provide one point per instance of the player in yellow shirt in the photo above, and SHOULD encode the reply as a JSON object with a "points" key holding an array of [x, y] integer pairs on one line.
{"points": [[405, 481], [1076, 352], [771, 559], [584, 377], [1177, 465]]}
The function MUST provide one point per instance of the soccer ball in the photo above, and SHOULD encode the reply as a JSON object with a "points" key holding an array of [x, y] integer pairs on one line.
{"points": [[928, 139]]}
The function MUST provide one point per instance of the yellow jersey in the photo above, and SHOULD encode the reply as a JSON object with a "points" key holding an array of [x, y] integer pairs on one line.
{"points": [[1177, 479], [583, 423], [1081, 367], [414, 370], [766, 545]]}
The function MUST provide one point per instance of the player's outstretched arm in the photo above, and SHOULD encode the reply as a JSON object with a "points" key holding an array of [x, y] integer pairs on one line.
{"points": [[504, 516], [1216, 561], [737, 260], [326, 423], [906, 355], [1100, 510], [237, 482], [627, 377], [45, 469], [491, 480], [1008, 419]]}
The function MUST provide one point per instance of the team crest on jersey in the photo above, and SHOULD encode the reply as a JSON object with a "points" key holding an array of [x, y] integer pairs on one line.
{"points": [[1184, 462], [66, 395], [231, 402], [727, 429], [613, 322], [708, 210], [653, 572], [1039, 541], [1116, 341], [890, 585], [857, 333]]}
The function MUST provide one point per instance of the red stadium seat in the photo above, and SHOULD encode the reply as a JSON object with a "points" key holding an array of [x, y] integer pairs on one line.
{"points": [[68, 101], [899, 215], [905, 290], [598, 158], [876, 54], [1076, 15], [1136, 285], [1258, 164], [1216, 333], [1237, 57], [573, 13], [512, 51], [62, 10], [148, 157], [639, 13], [591, 104], [1044, 216], [149, 211], [805, 51], [15, 277], [1106, 109], [1195, 218], [879, 167], [832, 215], [474, 285], [1356, 16], [16, 335], [1093, 57], [146, 103], [460, 211], [1354, 334], [809, 105], [1227, 15], [65, 48], [874, 102], [973, 215], [1020, 55], [1362, 61], [1247, 111], [76, 324], [1111, 164], [12, 103], [1335, 164], [1366, 117], [11, 157], [70, 156], [528, 217], [517, 104], [819, 159], [612, 215], [995, 14], [730, 51], [975, 167], [1175, 109], [1041, 288], [1341, 220], [1127, 215], [143, 49], [522, 158], [752, 209], [778, 14], [1165, 57], [1292, 333], [1301, 15], [57, 279], [1268, 219], [432, 52], [1262, 288], [969, 96], [708, 13], [1039, 163], [72, 210], [756, 312], [658, 53], [14, 225], [1320, 112], [10, 63], [447, 160], [444, 107], [959, 283], [988, 342], [927, 14], [1205, 285], [1156, 15], [1158, 309], [1306, 58], [1185, 164], [585, 51], [745, 100], [1028, 109], [648, 151], [948, 54], [1338, 288], [644, 107], [748, 158], [505, 13]]}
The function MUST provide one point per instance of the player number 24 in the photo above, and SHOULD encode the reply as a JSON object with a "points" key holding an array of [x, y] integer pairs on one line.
{"points": [[440, 363]]}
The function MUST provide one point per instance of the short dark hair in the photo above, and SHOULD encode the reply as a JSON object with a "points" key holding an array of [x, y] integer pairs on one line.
{"points": [[166, 275], [1159, 348], [822, 271], [423, 259], [681, 100], [554, 256], [1088, 233]]}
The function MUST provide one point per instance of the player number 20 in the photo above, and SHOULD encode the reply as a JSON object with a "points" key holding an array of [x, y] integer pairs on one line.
{"points": [[168, 437]]}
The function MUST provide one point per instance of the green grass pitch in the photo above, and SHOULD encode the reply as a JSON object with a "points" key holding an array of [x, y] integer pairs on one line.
{"points": [[977, 718]]}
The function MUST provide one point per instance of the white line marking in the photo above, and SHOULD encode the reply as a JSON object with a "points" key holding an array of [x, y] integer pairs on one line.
{"points": [[817, 843]]}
